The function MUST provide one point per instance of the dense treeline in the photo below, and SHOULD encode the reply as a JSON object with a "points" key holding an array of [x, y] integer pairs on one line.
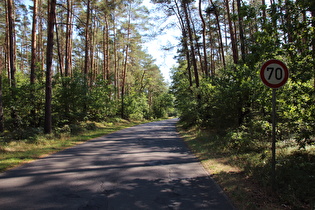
{"points": [[67, 61], [223, 47], [217, 86]]}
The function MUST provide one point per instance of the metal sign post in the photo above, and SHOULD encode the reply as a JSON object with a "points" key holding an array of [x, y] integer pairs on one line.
{"points": [[274, 74], [273, 148]]}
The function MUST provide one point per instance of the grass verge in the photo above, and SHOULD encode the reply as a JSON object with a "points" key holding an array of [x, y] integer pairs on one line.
{"points": [[244, 176], [16, 152]]}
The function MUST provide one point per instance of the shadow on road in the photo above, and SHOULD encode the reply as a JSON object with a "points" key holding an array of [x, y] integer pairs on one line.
{"points": [[143, 167]]}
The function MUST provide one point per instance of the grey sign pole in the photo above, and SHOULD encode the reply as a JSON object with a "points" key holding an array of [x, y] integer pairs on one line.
{"points": [[274, 74], [273, 160]]}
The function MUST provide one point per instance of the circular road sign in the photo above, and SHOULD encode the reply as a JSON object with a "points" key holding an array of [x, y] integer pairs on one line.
{"points": [[274, 73]]}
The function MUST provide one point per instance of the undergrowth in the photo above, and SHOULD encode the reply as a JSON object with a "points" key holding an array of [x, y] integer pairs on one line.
{"points": [[23, 146], [246, 175]]}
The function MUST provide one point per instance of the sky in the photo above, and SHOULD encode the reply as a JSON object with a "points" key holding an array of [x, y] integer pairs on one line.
{"points": [[154, 46], [164, 58], [168, 38]]}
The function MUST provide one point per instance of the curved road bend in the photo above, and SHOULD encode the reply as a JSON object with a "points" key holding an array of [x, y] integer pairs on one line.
{"points": [[143, 167]]}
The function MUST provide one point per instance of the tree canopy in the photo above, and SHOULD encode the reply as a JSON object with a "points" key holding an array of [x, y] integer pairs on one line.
{"points": [[68, 61], [218, 90]]}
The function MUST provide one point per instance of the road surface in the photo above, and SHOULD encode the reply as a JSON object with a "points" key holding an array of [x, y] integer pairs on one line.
{"points": [[143, 167]]}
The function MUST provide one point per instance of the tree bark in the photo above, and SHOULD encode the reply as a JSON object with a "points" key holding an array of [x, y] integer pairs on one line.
{"points": [[59, 50], [12, 57], [241, 31], [123, 87], [191, 41], [221, 50], [264, 11], [116, 72], [33, 62], [107, 66], [1, 96], [105, 43], [313, 38], [11, 43], [34, 40], [233, 40], [204, 47], [49, 59], [40, 49], [185, 43], [69, 31], [195, 42], [87, 40], [7, 44]]}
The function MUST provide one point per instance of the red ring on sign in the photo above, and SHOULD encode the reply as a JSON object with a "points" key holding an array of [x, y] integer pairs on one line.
{"points": [[284, 67]]}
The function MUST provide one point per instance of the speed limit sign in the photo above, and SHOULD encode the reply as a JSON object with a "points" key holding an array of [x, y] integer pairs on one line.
{"points": [[274, 74]]}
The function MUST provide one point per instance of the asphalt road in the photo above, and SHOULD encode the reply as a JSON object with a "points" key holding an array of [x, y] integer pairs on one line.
{"points": [[144, 167]]}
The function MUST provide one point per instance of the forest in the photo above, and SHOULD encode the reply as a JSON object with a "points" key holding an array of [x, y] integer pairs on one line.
{"points": [[64, 62], [219, 93]]}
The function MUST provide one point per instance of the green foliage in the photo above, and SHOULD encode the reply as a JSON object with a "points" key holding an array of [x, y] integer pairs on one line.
{"points": [[137, 107], [100, 102], [236, 107], [70, 100], [75, 101], [238, 98], [163, 105], [21, 100], [185, 99], [296, 177]]}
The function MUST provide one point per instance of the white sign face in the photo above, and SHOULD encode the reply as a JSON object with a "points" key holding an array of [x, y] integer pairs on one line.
{"points": [[274, 74]]}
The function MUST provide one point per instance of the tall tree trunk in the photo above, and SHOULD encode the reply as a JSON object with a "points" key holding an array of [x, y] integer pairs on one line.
{"points": [[274, 20], [40, 44], [1, 96], [33, 62], [233, 40], [7, 44], [313, 38], [123, 87], [212, 53], [204, 47], [69, 31], [87, 40], [87, 64], [106, 53], [11, 43], [49, 59], [191, 41], [59, 50], [107, 66], [264, 11], [116, 76], [12, 56], [197, 45], [105, 43], [185, 43], [221, 49], [241, 31], [33, 44], [93, 71], [288, 22]]}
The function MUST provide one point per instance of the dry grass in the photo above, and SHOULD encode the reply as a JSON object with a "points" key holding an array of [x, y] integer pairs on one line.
{"points": [[244, 191], [15, 153]]}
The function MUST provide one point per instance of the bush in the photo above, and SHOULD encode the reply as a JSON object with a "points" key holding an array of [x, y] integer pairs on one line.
{"points": [[90, 126], [64, 129], [76, 129], [29, 134]]}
